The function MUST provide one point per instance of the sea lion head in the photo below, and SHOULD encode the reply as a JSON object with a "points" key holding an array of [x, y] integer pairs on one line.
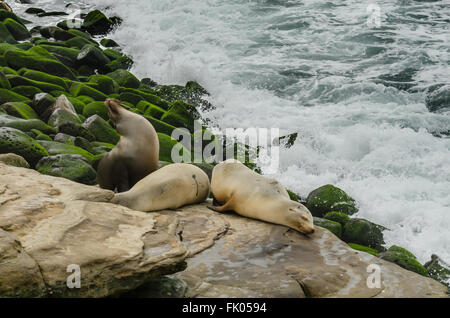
{"points": [[300, 218], [118, 114]]}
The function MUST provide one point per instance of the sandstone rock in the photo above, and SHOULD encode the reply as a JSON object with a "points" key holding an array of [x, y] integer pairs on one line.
{"points": [[48, 223], [12, 159], [232, 256]]}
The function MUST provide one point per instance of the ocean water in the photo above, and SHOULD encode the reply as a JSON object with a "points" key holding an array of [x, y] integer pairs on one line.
{"points": [[317, 68]]}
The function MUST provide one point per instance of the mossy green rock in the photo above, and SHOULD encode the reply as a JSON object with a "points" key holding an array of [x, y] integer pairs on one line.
{"points": [[4, 83], [75, 130], [27, 91], [395, 248], [30, 59], [108, 43], [124, 78], [333, 227], [167, 144], [39, 135], [147, 96], [293, 196], [363, 248], [5, 35], [18, 30], [96, 108], [9, 96], [16, 141], [101, 130], [92, 56], [58, 148], [72, 167], [329, 198], [15, 80], [96, 23], [123, 62], [41, 102], [404, 260], [69, 53], [80, 89], [153, 111], [45, 78], [339, 217], [181, 114], [77, 104], [20, 110], [363, 232], [438, 270], [60, 116], [105, 84], [24, 124], [160, 126]]}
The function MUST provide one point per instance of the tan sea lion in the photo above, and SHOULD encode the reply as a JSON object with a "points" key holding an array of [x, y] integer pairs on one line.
{"points": [[170, 187], [136, 154], [252, 195]]}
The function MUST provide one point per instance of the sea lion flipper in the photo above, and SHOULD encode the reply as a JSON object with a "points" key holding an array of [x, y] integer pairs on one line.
{"points": [[222, 208]]}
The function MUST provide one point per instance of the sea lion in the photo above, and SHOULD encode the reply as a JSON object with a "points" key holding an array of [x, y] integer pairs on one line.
{"points": [[252, 195], [136, 154], [170, 187]]}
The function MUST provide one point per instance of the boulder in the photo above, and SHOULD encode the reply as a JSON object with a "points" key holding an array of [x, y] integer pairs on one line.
{"points": [[181, 115], [16, 141], [339, 217], [72, 167], [439, 99], [124, 78], [403, 258], [59, 148], [234, 256], [80, 89], [101, 130], [329, 198], [18, 30], [29, 59], [48, 225], [24, 124], [96, 23], [92, 56], [11, 159], [20, 110], [333, 227], [364, 232], [96, 108]]}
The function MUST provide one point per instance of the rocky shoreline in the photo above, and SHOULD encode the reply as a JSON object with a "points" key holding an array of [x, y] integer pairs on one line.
{"points": [[53, 82]]}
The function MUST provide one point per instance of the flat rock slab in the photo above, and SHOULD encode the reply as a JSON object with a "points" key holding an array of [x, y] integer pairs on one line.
{"points": [[49, 223], [233, 256]]}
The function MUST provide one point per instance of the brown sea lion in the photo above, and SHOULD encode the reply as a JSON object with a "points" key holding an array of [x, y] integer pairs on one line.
{"points": [[136, 154], [170, 187], [252, 195]]}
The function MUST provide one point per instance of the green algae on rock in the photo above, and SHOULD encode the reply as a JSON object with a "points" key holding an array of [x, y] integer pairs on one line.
{"points": [[363, 248], [329, 198], [96, 108], [72, 167], [333, 227], [20, 110], [403, 258], [339, 217], [101, 130], [15, 141], [24, 124], [364, 232], [58, 148]]}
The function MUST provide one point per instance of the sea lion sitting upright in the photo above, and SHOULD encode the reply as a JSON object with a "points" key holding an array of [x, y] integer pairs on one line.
{"points": [[170, 187], [252, 195], [136, 154]]}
